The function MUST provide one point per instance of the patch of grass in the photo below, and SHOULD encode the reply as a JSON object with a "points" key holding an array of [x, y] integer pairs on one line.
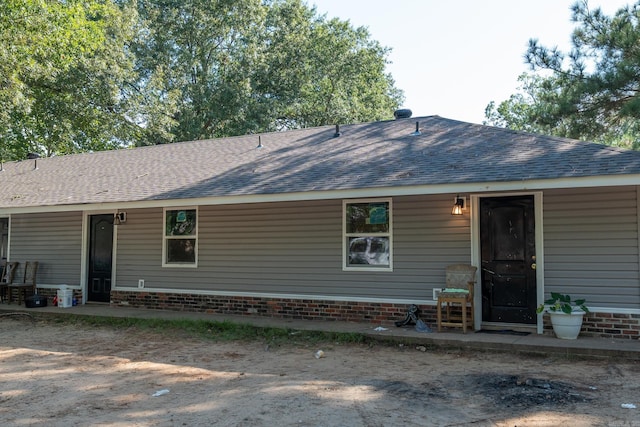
{"points": [[214, 330]]}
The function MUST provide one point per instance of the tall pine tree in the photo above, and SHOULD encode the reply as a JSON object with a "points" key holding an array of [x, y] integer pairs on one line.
{"points": [[591, 92]]}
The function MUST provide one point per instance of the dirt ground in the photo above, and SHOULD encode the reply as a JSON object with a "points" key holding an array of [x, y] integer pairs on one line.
{"points": [[62, 375]]}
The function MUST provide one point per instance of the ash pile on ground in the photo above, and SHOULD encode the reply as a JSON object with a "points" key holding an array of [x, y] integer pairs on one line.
{"points": [[506, 391], [515, 391]]}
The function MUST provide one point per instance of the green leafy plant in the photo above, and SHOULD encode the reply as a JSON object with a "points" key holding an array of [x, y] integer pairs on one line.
{"points": [[562, 303]]}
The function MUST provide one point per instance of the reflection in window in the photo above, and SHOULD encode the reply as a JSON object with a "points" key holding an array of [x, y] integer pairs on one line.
{"points": [[180, 237], [181, 251], [369, 250], [367, 234]]}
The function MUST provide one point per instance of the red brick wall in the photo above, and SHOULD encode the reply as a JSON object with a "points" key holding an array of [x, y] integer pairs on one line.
{"points": [[623, 326], [378, 313], [606, 325], [611, 325]]}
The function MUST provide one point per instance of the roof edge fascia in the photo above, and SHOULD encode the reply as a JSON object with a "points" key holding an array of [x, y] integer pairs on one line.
{"points": [[469, 188]]}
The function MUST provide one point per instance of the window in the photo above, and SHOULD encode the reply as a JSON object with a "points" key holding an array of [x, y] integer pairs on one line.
{"points": [[180, 242], [367, 243]]}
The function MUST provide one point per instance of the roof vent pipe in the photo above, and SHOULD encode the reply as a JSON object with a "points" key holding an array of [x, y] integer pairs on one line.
{"points": [[259, 142], [403, 113], [337, 134], [417, 131], [34, 157]]}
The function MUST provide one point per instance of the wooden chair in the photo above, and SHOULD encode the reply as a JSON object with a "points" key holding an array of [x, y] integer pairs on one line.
{"points": [[3, 286], [28, 282], [458, 294], [8, 274]]}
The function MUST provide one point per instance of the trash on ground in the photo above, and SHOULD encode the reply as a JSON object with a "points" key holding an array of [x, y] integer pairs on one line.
{"points": [[421, 348], [319, 354], [411, 318], [422, 327], [380, 328], [628, 406], [160, 392]]}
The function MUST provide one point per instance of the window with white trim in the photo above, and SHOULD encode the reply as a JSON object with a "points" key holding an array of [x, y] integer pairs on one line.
{"points": [[367, 240], [180, 238]]}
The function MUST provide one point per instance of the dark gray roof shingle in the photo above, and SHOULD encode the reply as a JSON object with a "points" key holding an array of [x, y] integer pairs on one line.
{"points": [[368, 155]]}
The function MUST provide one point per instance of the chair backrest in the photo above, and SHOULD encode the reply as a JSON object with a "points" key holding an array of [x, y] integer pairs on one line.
{"points": [[460, 275], [30, 270], [8, 272]]}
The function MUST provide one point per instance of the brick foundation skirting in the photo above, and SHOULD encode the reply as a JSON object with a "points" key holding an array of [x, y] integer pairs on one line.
{"points": [[304, 309], [607, 325], [611, 325]]}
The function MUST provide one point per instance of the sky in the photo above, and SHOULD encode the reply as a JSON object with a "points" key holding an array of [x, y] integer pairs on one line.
{"points": [[452, 57]]}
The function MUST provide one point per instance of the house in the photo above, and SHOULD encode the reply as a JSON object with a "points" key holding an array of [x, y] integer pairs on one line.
{"points": [[338, 223]]}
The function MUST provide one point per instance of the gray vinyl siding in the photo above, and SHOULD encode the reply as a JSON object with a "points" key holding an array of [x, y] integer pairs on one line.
{"points": [[591, 245], [295, 248], [138, 253], [52, 239]]}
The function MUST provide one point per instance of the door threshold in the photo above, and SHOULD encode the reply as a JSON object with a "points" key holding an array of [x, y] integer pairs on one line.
{"points": [[517, 327]]}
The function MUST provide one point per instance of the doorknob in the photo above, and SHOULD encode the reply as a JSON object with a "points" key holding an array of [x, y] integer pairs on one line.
{"points": [[533, 266]]}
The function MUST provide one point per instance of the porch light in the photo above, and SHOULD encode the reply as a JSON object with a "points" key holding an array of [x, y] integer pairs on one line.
{"points": [[119, 218], [458, 205]]}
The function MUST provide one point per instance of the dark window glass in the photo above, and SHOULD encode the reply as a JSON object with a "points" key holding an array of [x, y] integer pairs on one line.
{"points": [[181, 251], [180, 222], [367, 217]]}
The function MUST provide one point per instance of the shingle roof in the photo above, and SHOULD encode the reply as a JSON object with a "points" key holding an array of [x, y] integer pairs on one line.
{"points": [[368, 155]]}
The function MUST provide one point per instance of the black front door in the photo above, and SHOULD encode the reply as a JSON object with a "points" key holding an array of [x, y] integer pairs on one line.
{"points": [[100, 258], [507, 245]]}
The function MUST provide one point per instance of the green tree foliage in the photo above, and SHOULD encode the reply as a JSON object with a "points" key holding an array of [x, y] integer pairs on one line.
{"points": [[100, 74], [37, 38], [320, 71], [62, 67], [230, 67], [592, 92], [194, 58]]}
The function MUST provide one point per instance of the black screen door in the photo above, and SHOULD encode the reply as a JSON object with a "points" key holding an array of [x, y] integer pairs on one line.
{"points": [[100, 258], [507, 233]]}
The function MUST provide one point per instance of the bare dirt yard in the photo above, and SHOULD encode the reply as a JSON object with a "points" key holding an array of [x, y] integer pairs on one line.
{"points": [[77, 375]]}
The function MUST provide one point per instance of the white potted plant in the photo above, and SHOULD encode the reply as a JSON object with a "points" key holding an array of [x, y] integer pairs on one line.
{"points": [[566, 315]]}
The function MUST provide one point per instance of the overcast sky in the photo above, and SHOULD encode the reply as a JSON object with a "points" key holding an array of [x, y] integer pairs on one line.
{"points": [[451, 58]]}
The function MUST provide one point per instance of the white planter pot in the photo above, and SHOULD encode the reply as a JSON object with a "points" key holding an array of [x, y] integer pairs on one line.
{"points": [[567, 326]]}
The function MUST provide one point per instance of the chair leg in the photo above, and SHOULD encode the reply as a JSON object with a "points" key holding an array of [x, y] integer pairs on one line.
{"points": [[464, 317]]}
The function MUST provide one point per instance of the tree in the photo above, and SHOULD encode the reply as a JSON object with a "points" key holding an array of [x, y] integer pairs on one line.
{"points": [[100, 74], [194, 59], [62, 67], [324, 71], [229, 67], [593, 92], [532, 109]]}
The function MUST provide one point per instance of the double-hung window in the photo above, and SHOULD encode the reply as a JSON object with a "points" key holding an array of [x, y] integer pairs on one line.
{"points": [[180, 238], [367, 240]]}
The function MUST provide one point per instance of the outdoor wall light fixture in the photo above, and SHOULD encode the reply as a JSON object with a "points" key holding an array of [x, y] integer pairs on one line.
{"points": [[458, 205], [119, 218]]}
